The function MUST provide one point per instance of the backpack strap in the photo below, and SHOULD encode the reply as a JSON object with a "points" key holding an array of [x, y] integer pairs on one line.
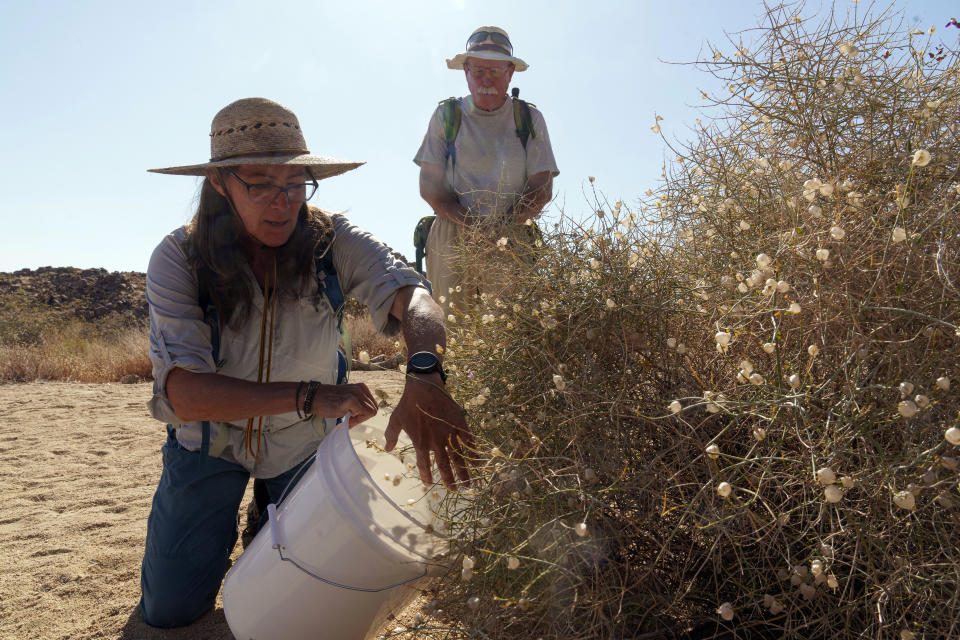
{"points": [[523, 120], [329, 285], [450, 117], [420, 233]]}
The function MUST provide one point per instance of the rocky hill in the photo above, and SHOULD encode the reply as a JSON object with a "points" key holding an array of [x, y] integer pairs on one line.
{"points": [[88, 294]]}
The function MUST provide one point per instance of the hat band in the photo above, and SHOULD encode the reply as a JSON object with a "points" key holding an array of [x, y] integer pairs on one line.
{"points": [[258, 153], [488, 46]]}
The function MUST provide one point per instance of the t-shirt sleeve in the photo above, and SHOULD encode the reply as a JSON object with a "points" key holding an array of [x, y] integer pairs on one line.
{"points": [[371, 272], [179, 335], [433, 149], [539, 152]]}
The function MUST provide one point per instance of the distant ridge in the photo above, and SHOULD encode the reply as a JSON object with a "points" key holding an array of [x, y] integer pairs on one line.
{"points": [[89, 294]]}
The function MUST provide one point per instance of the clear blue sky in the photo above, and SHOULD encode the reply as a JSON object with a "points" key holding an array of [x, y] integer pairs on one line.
{"points": [[94, 93]]}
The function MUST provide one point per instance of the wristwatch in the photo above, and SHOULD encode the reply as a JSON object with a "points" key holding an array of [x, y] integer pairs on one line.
{"points": [[425, 362]]}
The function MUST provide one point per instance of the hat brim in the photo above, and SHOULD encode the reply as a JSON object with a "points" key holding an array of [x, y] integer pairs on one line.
{"points": [[460, 59], [320, 166]]}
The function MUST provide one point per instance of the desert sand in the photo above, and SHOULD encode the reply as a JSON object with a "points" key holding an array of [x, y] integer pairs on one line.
{"points": [[78, 467]]}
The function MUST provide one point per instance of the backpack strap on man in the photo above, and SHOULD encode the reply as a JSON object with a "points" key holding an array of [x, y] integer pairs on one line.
{"points": [[420, 233], [522, 118], [450, 117]]}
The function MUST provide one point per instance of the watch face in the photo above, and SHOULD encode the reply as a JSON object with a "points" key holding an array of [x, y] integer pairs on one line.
{"points": [[423, 360]]}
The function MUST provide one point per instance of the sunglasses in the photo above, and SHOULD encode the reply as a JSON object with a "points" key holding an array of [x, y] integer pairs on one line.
{"points": [[485, 37]]}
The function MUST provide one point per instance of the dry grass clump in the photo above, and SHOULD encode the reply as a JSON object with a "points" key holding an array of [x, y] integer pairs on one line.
{"points": [[731, 408], [72, 355], [39, 343]]}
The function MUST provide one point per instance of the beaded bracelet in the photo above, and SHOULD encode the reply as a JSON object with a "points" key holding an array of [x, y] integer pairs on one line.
{"points": [[296, 399], [312, 387]]}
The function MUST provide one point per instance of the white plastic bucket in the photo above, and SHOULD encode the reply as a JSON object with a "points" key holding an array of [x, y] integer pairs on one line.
{"points": [[345, 549]]}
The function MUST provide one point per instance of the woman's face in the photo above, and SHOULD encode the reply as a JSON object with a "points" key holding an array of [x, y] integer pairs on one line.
{"points": [[272, 222]]}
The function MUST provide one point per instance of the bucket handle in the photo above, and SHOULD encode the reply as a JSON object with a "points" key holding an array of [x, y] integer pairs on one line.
{"points": [[278, 545]]}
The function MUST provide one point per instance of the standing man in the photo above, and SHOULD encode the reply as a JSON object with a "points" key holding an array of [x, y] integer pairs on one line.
{"points": [[485, 159]]}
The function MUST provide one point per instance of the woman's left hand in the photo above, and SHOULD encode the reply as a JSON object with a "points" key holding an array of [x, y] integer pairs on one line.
{"points": [[434, 422]]}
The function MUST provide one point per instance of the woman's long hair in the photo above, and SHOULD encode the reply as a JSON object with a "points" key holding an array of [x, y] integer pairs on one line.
{"points": [[216, 248]]}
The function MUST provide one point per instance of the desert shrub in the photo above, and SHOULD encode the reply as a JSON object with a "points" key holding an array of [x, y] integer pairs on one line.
{"points": [[364, 337], [730, 407]]}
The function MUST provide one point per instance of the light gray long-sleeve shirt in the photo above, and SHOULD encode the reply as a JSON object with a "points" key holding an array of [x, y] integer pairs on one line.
{"points": [[304, 347]]}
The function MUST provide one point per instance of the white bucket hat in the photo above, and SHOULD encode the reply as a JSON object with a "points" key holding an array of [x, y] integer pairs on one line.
{"points": [[488, 43]]}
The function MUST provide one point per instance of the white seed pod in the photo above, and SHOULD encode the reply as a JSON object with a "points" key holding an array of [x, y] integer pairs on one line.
{"points": [[726, 611], [675, 406], [832, 493], [418, 618], [826, 189], [906, 634], [826, 476], [921, 158], [837, 233], [808, 591], [794, 381], [559, 382], [759, 433], [776, 608], [744, 225], [756, 379], [466, 575], [823, 255], [832, 581], [906, 388], [795, 308], [943, 383], [763, 260], [899, 234], [671, 342], [907, 408], [513, 562], [952, 435], [473, 602], [783, 286], [769, 347], [746, 366], [813, 350], [681, 348], [768, 600], [815, 212], [722, 338], [580, 529], [816, 567], [724, 489], [468, 562], [847, 482], [922, 401], [905, 500], [713, 451]]}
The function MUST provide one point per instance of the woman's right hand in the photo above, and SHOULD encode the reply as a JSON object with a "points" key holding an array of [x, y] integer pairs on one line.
{"points": [[335, 400]]}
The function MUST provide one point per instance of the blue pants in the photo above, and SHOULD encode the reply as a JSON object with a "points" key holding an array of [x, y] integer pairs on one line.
{"points": [[191, 532]]}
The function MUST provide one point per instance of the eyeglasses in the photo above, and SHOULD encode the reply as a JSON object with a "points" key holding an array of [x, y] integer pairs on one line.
{"points": [[495, 37], [266, 193], [493, 72]]}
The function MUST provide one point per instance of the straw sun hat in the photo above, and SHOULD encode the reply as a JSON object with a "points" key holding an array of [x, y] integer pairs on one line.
{"points": [[488, 43], [260, 131]]}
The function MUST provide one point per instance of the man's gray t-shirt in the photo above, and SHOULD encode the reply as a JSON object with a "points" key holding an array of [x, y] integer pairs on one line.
{"points": [[491, 168]]}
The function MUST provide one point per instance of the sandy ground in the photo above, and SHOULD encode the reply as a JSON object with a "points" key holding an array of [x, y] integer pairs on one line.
{"points": [[78, 467]]}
